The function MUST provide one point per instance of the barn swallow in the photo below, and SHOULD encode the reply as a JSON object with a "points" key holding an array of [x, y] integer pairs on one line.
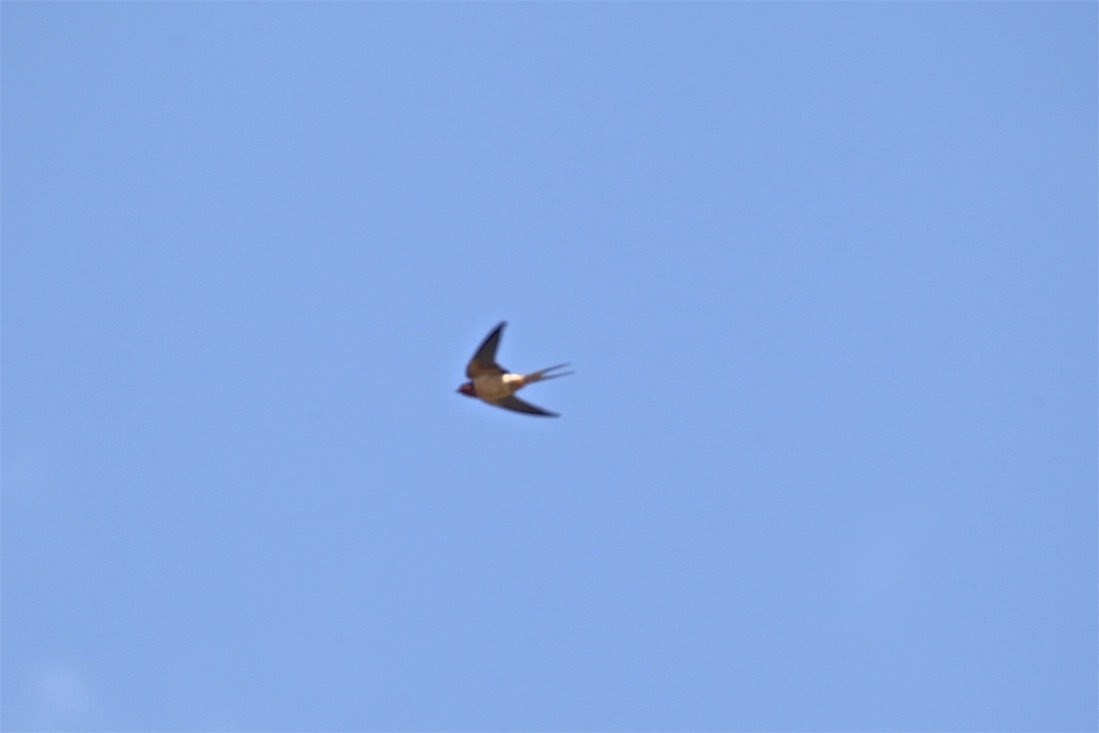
{"points": [[497, 386]]}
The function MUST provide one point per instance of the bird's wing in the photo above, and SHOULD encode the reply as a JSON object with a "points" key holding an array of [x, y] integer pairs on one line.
{"points": [[484, 361], [511, 402]]}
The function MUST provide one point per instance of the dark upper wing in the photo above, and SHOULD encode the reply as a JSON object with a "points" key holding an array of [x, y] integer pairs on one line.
{"points": [[511, 402], [484, 361]]}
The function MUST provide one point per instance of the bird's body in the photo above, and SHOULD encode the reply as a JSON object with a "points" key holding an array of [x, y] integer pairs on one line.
{"points": [[491, 387], [495, 385]]}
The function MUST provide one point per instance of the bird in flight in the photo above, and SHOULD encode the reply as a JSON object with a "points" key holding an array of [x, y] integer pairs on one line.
{"points": [[495, 385]]}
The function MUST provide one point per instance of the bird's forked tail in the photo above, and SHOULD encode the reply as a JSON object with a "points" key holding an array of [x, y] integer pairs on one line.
{"points": [[542, 374]]}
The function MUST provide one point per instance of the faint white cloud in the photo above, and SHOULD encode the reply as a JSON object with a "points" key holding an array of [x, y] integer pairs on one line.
{"points": [[33, 470], [59, 696], [884, 565]]}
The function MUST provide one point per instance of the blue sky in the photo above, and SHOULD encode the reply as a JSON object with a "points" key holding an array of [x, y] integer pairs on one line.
{"points": [[826, 273]]}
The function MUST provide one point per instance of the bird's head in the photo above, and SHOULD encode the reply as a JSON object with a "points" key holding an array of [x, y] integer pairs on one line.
{"points": [[468, 390]]}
